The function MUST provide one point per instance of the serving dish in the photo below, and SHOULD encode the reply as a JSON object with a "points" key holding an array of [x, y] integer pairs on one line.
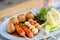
{"points": [[8, 36]]}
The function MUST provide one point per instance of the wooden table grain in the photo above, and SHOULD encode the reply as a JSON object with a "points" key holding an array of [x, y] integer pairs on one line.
{"points": [[21, 7]]}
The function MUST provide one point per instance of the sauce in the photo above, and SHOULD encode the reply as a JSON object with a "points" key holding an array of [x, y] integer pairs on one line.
{"points": [[40, 21], [15, 34]]}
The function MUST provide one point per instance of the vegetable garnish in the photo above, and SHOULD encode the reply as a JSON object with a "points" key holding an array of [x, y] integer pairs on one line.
{"points": [[43, 12], [52, 22]]}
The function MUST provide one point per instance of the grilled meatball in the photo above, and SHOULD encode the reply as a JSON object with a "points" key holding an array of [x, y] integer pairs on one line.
{"points": [[14, 20], [22, 18], [10, 28], [30, 15]]}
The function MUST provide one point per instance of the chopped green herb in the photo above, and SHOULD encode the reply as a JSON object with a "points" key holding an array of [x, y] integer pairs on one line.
{"points": [[43, 12]]}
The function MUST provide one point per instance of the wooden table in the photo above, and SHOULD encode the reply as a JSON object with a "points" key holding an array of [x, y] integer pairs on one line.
{"points": [[21, 7]]}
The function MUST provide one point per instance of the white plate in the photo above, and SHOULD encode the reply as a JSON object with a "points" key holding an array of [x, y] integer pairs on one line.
{"points": [[8, 36]]}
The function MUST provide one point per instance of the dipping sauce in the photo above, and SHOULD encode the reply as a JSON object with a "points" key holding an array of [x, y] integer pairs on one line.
{"points": [[15, 34], [40, 21]]}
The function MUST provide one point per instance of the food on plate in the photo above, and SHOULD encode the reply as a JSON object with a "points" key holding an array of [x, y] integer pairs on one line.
{"points": [[10, 28], [19, 30], [14, 20], [28, 32], [51, 17], [30, 24], [40, 21], [33, 26], [21, 18], [30, 15], [28, 28], [35, 30], [27, 23], [38, 26], [34, 22], [52, 20], [30, 20]]}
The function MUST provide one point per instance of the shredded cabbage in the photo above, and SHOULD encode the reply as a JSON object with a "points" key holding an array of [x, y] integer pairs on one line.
{"points": [[52, 21]]}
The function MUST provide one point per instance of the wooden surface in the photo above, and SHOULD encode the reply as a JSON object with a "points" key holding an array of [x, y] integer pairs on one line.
{"points": [[21, 7]]}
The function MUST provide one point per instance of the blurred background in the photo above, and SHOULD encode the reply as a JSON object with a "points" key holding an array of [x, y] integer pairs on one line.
{"points": [[9, 3]]}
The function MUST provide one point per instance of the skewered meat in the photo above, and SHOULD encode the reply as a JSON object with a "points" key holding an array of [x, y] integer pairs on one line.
{"points": [[10, 28], [22, 18]]}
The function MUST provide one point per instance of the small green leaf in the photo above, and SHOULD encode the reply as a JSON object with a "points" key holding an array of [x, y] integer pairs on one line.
{"points": [[41, 15]]}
